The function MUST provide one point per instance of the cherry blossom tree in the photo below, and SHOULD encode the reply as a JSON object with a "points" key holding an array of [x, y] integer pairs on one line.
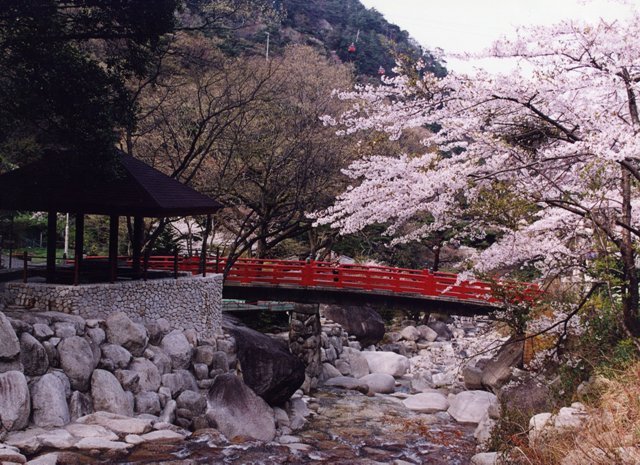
{"points": [[557, 137]]}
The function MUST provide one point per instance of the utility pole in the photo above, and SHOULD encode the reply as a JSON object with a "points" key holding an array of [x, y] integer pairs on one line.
{"points": [[66, 237]]}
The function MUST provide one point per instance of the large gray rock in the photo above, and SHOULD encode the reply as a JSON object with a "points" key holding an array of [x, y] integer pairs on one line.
{"points": [[347, 382], [427, 333], [238, 412], [380, 383], [122, 331], [193, 402], [427, 402], [471, 406], [497, 371], [33, 356], [358, 364], [179, 381], [410, 333], [267, 365], [77, 361], [15, 402], [49, 402], [114, 357], [387, 362], [177, 347], [149, 375], [441, 328], [9, 344], [80, 405], [148, 402], [108, 395], [157, 330], [363, 322], [160, 360]]}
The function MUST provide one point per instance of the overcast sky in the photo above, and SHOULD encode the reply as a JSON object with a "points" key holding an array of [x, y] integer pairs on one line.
{"points": [[472, 25]]}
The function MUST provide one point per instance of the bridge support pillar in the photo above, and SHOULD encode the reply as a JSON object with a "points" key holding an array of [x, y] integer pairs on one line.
{"points": [[305, 341]]}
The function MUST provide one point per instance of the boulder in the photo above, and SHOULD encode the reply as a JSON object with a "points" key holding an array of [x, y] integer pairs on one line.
{"points": [[380, 383], [33, 356], [205, 354], [570, 418], [27, 441], [238, 412], [328, 372], [485, 458], [9, 343], [410, 333], [422, 381], [357, 362], [80, 405], [472, 377], [177, 347], [149, 376], [427, 402], [157, 329], [179, 381], [537, 425], [108, 395], [482, 434], [346, 382], [97, 335], [387, 362], [11, 456], [77, 361], [119, 424], [268, 367], [114, 357], [15, 402], [57, 439], [471, 406], [497, 371], [427, 333], [362, 322], [148, 402], [49, 402], [64, 329], [42, 331], [124, 332], [441, 329], [160, 360], [528, 395], [193, 402]]}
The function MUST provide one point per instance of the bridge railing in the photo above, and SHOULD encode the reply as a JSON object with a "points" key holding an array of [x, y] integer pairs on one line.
{"points": [[347, 276]]}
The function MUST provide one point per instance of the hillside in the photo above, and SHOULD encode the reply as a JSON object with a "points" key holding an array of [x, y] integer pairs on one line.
{"points": [[334, 25]]}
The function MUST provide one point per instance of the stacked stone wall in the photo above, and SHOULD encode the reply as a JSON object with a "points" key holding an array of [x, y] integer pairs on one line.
{"points": [[189, 303]]}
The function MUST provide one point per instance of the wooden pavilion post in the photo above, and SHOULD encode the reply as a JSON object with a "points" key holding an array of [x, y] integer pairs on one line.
{"points": [[138, 231], [113, 247], [78, 248], [52, 237]]}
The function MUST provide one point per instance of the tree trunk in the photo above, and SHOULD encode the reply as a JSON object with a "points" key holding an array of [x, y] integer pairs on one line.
{"points": [[630, 293]]}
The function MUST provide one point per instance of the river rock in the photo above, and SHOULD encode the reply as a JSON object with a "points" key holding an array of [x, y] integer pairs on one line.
{"points": [[157, 329], [387, 362], [346, 382], [64, 329], [358, 364], [149, 376], [205, 354], [427, 402], [27, 441], [471, 406], [177, 347], [108, 395], [42, 331], [80, 430], [569, 418], [120, 424], [482, 434], [179, 381], [497, 371], [15, 402], [80, 405], [442, 330], [77, 361], [329, 371], [114, 357], [49, 402], [238, 412], [193, 402], [268, 367], [9, 343], [124, 332], [422, 381], [362, 322], [427, 333], [410, 333], [101, 444], [33, 356], [148, 402], [160, 360], [380, 383], [57, 439], [485, 458], [11, 456]]}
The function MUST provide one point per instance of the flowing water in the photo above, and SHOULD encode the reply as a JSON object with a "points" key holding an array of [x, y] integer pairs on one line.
{"points": [[348, 428]]}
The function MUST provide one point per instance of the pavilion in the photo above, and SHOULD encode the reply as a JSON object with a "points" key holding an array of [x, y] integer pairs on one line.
{"points": [[61, 182]]}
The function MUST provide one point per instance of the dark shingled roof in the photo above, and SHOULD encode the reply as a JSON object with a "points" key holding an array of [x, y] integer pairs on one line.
{"points": [[129, 188]]}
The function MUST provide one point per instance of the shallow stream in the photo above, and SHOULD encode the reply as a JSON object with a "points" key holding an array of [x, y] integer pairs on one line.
{"points": [[349, 428]]}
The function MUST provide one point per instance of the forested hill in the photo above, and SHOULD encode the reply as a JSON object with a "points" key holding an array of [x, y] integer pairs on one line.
{"points": [[335, 25]]}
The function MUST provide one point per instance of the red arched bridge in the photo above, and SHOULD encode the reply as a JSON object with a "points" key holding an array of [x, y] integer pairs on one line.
{"points": [[328, 282]]}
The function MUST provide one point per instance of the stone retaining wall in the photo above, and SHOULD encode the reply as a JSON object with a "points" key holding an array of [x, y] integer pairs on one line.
{"points": [[189, 303], [304, 342]]}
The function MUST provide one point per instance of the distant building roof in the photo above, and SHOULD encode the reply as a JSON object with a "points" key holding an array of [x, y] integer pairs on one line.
{"points": [[128, 188]]}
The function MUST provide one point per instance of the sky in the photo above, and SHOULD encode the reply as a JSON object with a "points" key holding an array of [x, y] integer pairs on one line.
{"points": [[459, 26]]}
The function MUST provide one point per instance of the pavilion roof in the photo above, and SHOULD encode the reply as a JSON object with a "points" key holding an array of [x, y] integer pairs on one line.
{"points": [[129, 188]]}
